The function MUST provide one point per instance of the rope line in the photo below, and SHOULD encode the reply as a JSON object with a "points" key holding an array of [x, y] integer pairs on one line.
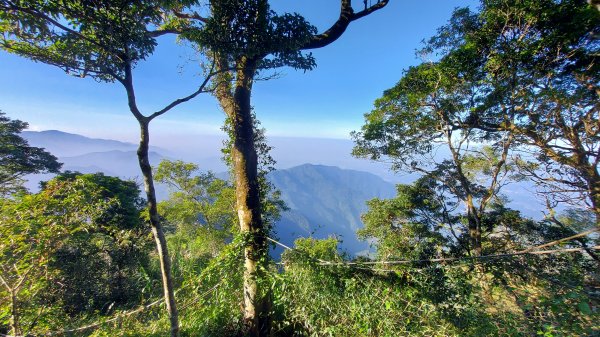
{"points": [[94, 325], [453, 259], [552, 243], [120, 316], [292, 249], [203, 295], [529, 251], [543, 252]]}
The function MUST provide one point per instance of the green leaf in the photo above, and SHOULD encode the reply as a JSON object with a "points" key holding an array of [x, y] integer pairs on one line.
{"points": [[584, 307]]}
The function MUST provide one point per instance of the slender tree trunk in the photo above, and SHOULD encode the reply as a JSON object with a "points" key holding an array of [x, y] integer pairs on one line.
{"points": [[155, 223], [157, 231], [594, 191], [248, 202], [474, 226], [14, 318]]}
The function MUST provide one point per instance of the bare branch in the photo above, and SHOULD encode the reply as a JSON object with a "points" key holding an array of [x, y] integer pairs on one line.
{"points": [[186, 98], [8, 287], [347, 15]]}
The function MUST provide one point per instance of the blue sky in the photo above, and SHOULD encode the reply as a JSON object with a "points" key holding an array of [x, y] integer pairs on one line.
{"points": [[327, 102]]}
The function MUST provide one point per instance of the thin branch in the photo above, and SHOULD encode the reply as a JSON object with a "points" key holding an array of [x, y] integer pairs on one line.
{"points": [[22, 279], [581, 241], [6, 284], [186, 98]]}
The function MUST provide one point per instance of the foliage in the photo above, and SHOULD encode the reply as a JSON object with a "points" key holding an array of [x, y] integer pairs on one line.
{"points": [[421, 125], [243, 37], [17, 158], [103, 40], [444, 300], [101, 267], [504, 76], [76, 246], [515, 76], [196, 198], [537, 78], [200, 213], [242, 28], [408, 226], [316, 299], [83, 38]]}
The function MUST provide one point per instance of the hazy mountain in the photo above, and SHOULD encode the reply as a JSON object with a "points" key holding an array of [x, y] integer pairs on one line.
{"points": [[122, 164], [287, 151], [63, 144], [290, 152], [116, 163], [326, 201]]}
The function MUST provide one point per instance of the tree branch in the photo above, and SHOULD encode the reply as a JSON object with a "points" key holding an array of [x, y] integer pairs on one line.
{"points": [[161, 32], [129, 88], [8, 287], [347, 15], [186, 98], [192, 16]]}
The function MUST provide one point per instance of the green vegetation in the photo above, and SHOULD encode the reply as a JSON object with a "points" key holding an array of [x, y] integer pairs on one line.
{"points": [[78, 247], [18, 159], [512, 95]]}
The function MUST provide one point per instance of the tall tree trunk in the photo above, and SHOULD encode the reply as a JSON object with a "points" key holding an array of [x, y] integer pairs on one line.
{"points": [[14, 318], [244, 158], [594, 191], [157, 231], [473, 217], [474, 226]]}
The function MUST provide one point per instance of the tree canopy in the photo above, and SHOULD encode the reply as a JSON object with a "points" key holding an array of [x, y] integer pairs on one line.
{"points": [[55, 253], [523, 71], [18, 159], [97, 39]]}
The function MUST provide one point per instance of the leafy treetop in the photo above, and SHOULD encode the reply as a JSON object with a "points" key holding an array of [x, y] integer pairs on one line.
{"points": [[17, 158]]}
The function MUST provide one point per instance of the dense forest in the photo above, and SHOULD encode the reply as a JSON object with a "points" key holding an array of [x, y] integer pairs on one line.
{"points": [[506, 92]]}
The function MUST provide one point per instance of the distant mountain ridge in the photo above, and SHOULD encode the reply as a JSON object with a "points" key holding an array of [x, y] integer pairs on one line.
{"points": [[119, 163], [64, 144], [326, 201], [323, 200]]}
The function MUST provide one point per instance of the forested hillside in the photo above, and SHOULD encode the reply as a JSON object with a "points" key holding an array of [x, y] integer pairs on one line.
{"points": [[324, 202], [506, 95]]}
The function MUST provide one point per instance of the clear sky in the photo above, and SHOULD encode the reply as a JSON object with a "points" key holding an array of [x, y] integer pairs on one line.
{"points": [[327, 102]]}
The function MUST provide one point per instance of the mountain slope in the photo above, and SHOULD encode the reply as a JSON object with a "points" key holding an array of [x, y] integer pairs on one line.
{"points": [[116, 163], [325, 201], [64, 144]]}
